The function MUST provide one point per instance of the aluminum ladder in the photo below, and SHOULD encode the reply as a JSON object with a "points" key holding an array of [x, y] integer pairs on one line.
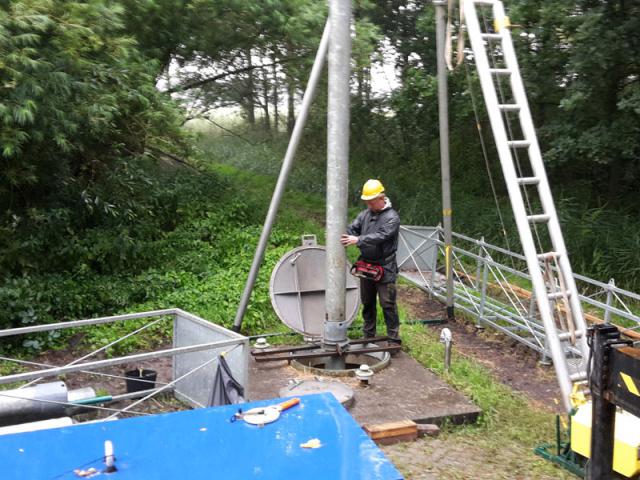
{"points": [[554, 288]]}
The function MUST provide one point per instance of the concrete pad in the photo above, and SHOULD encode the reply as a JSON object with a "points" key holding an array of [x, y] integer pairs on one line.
{"points": [[403, 390]]}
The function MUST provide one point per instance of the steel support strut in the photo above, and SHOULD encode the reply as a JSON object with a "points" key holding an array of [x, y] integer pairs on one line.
{"points": [[287, 164]]}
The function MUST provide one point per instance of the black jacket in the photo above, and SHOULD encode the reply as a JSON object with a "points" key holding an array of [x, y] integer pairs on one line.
{"points": [[378, 238]]}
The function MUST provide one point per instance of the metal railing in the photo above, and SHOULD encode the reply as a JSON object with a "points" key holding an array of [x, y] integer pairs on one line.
{"points": [[197, 344], [493, 286]]}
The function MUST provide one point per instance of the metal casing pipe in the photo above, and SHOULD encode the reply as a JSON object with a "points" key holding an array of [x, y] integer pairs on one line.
{"points": [[335, 331], [29, 404], [39, 425], [39, 402], [443, 121]]}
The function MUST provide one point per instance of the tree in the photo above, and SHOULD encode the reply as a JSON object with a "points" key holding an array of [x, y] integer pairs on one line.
{"points": [[583, 71], [79, 105]]}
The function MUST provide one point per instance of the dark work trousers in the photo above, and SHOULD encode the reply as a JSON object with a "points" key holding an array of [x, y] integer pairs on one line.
{"points": [[386, 292]]}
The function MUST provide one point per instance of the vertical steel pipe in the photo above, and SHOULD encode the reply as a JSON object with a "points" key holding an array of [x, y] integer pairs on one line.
{"points": [[287, 163], [335, 330], [603, 413], [443, 113], [607, 311]]}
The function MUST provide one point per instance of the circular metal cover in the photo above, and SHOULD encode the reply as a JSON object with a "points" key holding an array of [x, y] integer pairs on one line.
{"points": [[297, 290], [342, 392]]}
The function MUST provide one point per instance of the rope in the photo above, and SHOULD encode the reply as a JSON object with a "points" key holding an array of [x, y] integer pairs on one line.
{"points": [[87, 372], [511, 136], [471, 299], [565, 321], [564, 318], [413, 258], [486, 158], [448, 37], [524, 311], [79, 467]]}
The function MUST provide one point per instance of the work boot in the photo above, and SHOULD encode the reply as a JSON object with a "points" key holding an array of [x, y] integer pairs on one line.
{"points": [[394, 341]]}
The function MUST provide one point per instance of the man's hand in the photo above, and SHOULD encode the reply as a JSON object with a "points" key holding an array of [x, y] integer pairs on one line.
{"points": [[347, 240]]}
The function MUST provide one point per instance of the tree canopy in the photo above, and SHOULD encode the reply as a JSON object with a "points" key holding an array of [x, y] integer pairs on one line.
{"points": [[83, 118]]}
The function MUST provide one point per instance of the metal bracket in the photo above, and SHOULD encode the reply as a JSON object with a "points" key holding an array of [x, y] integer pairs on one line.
{"points": [[309, 240]]}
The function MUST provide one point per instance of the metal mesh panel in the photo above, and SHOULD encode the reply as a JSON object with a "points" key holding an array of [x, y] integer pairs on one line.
{"points": [[191, 330], [417, 249]]}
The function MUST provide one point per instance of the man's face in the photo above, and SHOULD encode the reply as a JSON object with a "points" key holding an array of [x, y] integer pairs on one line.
{"points": [[376, 204]]}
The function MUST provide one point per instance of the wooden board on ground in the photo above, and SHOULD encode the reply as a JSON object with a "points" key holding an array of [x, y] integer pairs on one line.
{"points": [[392, 432]]}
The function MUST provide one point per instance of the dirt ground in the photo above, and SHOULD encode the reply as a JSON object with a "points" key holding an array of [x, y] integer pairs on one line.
{"points": [[512, 363]]}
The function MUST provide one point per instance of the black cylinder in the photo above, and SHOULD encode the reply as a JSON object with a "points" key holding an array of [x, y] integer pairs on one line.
{"points": [[140, 379]]}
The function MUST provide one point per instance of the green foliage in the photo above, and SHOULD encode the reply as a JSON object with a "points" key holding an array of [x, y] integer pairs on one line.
{"points": [[582, 69], [603, 243], [199, 265], [79, 107]]}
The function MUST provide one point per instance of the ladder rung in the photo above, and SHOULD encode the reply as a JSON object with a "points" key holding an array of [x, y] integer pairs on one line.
{"points": [[500, 71], [528, 180], [519, 143], [578, 376], [542, 218], [557, 295], [548, 256], [509, 107], [566, 335], [491, 36]]}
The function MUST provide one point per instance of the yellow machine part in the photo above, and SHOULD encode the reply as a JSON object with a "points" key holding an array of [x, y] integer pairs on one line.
{"points": [[626, 449]]}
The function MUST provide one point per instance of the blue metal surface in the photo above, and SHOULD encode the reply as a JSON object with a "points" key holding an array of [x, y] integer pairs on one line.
{"points": [[205, 444]]}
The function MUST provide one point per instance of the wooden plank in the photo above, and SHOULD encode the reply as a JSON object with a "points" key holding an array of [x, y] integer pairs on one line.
{"points": [[392, 429]]}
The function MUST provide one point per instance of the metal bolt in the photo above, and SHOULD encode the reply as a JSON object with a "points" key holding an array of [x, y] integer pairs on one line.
{"points": [[447, 338], [109, 458], [364, 374], [261, 343]]}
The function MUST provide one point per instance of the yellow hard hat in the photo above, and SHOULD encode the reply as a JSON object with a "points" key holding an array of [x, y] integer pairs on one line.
{"points": [[372, 189]]}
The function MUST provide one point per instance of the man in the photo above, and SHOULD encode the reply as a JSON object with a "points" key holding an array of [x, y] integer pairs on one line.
{"points": [[375, 233]]}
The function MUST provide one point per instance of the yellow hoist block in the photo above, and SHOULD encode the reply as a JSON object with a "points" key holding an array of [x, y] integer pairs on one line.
{"points": [[626, 448]]}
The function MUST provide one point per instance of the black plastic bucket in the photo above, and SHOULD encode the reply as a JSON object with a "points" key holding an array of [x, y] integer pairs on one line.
{"points": [[140, 379]]}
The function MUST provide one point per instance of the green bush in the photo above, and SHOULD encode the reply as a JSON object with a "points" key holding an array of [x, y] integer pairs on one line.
{"points": [[79, 110]]}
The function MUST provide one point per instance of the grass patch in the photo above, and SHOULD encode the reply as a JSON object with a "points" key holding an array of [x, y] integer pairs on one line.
{"points": [[508, 428]]}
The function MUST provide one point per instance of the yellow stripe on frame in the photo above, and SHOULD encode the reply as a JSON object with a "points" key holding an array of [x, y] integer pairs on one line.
{"points": [[630, 383], [500, 23], [447, 259]]}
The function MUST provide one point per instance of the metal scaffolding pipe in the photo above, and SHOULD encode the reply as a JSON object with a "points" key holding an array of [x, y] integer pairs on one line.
{"points": [[287, 163], [443, 113], [335, 328], [109, 362]]}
